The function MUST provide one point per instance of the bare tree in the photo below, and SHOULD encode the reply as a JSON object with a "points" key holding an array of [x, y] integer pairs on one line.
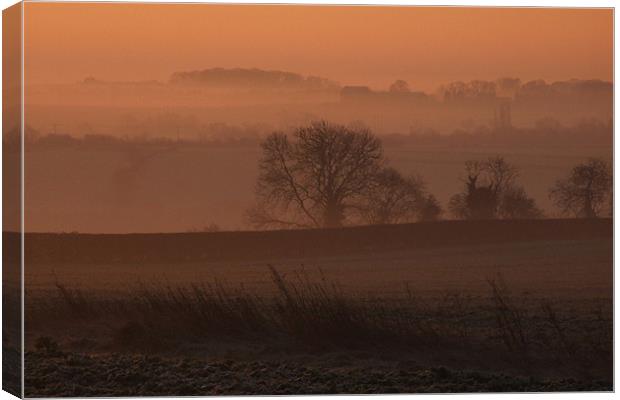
{"points": [[586, 189], [429, 209], [490, 192], [400, 86], [500, 174], [484, 180], [393, 198], [316, 176], [516, 204]]}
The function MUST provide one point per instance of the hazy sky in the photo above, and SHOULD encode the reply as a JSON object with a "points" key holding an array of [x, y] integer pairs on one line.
{"points": [[353, 45]]}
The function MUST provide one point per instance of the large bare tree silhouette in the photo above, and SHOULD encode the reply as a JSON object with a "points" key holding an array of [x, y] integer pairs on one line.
{"points": [[316, 176]]}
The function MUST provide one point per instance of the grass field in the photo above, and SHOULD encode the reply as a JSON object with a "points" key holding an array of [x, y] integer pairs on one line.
{"points": [[443, 307]]}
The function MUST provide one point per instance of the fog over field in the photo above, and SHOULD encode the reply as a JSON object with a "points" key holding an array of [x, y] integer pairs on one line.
{"points": [[176, 189], [195, 104], [105, 156]]}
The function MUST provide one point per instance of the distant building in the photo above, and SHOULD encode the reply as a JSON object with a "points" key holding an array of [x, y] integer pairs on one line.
{"points": [[503, 117], [355, 92]]}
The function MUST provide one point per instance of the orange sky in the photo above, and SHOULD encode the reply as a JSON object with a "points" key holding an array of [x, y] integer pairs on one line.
{"points": [[65, 42]]}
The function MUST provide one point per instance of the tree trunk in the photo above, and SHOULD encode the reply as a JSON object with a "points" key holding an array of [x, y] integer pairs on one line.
{"points": [[333, 215]]}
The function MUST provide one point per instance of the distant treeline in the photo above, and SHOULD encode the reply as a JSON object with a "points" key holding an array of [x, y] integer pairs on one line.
{"points": [[456, 91], [539, 89], [547, 131], [252, 78]]}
